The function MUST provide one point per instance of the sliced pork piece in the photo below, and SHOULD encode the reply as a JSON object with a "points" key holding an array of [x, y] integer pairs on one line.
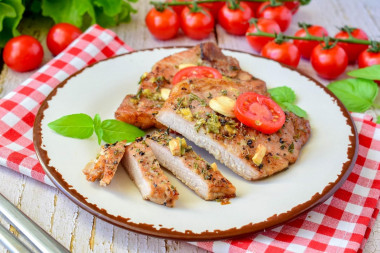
{"points": [[140, 109], [203, 178], [105, 166], [249, 153], [143, 168]]}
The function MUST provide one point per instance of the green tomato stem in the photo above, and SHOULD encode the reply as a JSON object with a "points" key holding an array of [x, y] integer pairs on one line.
{"points": [[177, 3], [310, 37]]}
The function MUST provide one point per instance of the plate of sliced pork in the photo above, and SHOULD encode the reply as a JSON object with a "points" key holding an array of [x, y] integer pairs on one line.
{"points": [[228, 151]]}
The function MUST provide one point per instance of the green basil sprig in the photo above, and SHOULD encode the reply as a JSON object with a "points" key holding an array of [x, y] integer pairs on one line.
{"points": [[82, 126], [285, 97], [358, 94]]}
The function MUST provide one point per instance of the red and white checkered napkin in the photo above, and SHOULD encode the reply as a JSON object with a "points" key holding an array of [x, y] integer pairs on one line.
{"points": [[19, 108], [342, 223]]}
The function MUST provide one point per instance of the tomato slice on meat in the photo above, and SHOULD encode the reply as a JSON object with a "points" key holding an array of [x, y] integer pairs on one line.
{"points": [[259, 112], [196, 71]]}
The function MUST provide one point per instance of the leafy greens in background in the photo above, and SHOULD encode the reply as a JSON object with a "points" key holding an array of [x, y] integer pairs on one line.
{"points": [[358, 94], [82, 126], [285, 97], [81, 13]]}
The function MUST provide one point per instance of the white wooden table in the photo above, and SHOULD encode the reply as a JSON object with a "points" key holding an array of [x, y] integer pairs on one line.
{"points": [[80, 231]]}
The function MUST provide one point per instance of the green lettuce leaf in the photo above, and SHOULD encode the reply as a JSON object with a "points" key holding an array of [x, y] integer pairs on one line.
{"points": [[68, 11], [10, 15]]}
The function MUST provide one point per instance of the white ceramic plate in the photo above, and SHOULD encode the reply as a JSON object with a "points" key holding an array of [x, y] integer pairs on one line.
{"points": [[323, 165]]}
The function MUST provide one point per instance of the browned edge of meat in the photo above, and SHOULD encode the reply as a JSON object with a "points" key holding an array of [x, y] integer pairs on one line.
{"points": [[249, 153], [144, 170], [140, 109], [105, 165], [203, 178]]}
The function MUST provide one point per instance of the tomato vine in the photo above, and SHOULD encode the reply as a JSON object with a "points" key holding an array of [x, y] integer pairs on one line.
{"points": [[375, 45]]}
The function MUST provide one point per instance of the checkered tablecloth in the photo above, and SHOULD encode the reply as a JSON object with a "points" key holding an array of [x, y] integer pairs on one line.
{"points": [[340, 224]]}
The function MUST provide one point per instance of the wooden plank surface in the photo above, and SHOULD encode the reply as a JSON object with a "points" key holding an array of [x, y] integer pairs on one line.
{"points": [[78, 230]]}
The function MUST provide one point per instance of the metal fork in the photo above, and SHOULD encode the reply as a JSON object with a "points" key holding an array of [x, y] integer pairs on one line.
{"points": [[36, 235]]}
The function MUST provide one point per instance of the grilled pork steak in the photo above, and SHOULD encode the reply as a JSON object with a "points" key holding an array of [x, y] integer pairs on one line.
{"points": [[143, 168], [203, 178], [140, 109], [105, 165], [249, 153]]}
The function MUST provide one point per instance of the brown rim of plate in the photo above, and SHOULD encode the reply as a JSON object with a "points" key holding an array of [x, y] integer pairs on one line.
{"points": [[167, 233]]}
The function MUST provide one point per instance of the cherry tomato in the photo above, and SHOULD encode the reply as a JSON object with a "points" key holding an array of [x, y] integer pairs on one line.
{"points": [[60, 36], [352, 50], [285, 52], [254, 7], [259, 112], [197, 25], [265, 25], [292, 6], [196, 71], [367, 59], [23, 53], [213, 8], [329, 63], [235, 21], [164, 24], [307, 46], [178, 8], [280, 14]]}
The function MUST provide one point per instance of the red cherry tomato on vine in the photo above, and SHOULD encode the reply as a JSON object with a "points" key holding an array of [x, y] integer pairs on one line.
{"points": [[285, 52], [196, 71], [23, 53], [60, 36], [292, 6], [213, 8], [367, 59], [307, 46], [259, 112], [329, 63], [235, 21], [352, 50], [164, 24], [254, 7], [280, 14], [197, 25], [264, 25]]}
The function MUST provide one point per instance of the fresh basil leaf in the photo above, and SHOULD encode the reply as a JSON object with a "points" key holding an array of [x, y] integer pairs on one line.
{"points": [[294, 109], [98, 128], [378, 120], [356, 94], [10, 19], [114, 130], [370, 73], [78, 126], [282, 94]]}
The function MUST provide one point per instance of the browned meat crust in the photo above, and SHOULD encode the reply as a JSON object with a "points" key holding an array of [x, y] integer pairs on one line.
{"points": [[203, 178], [143, 168], [226, 138], [140, 109], [105, 166]]}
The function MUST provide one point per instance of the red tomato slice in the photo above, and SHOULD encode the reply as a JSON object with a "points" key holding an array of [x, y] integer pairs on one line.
{"points": [[196, 71], [259, 112]]}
